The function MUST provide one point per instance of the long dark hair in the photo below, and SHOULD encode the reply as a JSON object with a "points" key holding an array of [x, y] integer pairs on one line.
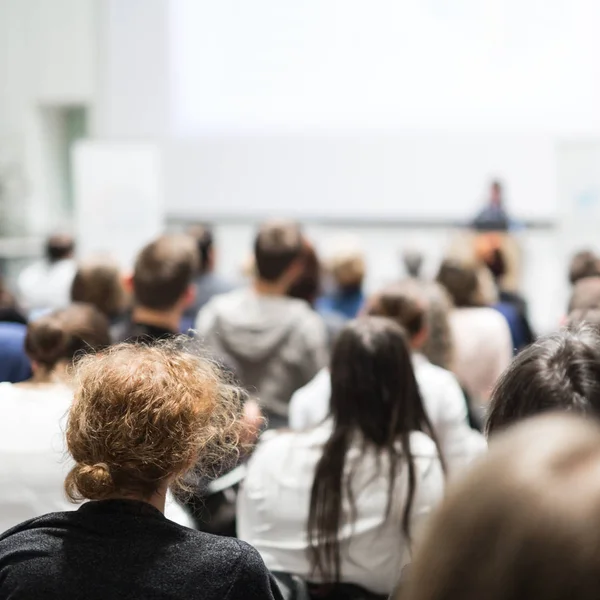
{"points": [[375, 396]]}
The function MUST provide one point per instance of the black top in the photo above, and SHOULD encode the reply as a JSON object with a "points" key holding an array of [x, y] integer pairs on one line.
{"points": [[130, 331], [128, 550]]}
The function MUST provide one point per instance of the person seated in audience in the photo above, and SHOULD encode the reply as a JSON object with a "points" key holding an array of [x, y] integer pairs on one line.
{"points": [[10, 311], [14, 363], [438, 345], [584, 263], [207, 282], [273, 343], [31, 413], [98, 281], [342, 503], [162, 288], [585, 295], [142, 417], [445, 404], [481, 340], [347, 267], [523, 525], [46, 285], [559, 372]]}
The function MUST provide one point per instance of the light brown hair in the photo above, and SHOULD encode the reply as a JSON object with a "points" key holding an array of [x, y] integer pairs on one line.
{"points": [[164, 270], [583, 264], [585, 294], [144, 416], [98, 282], [67, 334], [461, 280], [278, 244], [403, 302], [523, 524]]}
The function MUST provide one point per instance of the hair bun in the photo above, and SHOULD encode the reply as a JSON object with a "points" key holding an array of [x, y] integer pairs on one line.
{"points": [[90, 481]]}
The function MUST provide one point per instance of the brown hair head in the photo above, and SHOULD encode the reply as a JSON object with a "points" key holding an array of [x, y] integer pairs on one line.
{"points": [[404, 302], [523, 524], [583, 264], [308, 283], [277, 246], [65, 335], [460, 278], [164, 270], [585, 294], [98, 282], [143, 416]]}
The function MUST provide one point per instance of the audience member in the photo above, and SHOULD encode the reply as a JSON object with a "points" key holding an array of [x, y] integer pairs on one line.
{"points": [[342, 503], [445, 404], [584, 316], [46, 285], [481, 340], [438, 345], [142, 417], [32, 468], [207, 282], [99, 282], [273, 343], [413, 262], [585, 294], [511, 305], [560, 371], [523, 525], [347, 267], [583, 264], [10, 312], [14, 363], [162, 289]]}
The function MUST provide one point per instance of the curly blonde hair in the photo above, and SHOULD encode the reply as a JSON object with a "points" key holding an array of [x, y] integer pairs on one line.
{"points": [[146, 415]]}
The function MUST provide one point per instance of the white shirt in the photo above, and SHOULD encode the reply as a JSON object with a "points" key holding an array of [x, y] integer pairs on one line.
{"points": [[46, 286], [444, 403], [482, 350], [273, 506], [33, 457]]}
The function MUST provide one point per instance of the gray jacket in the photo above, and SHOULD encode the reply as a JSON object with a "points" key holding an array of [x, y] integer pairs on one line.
{"points": [[274, 344]]}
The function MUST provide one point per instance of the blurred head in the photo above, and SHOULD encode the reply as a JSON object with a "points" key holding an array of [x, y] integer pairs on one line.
{"points": [[496, 193], [461, 281], [438, 343], [584, 317], [143, 416], [585, 294], [488, 250], [347, 266], [278, 251], [59, 247], [406, 304], [583, 264], [163, 273], [523, 524], [64, 336], [559, 372], [99, 282], [374, 394], [203, 236], [307, 284], [413, 262]]}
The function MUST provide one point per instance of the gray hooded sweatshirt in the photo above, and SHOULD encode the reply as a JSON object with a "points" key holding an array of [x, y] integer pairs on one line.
{"points": [[274, 344]]}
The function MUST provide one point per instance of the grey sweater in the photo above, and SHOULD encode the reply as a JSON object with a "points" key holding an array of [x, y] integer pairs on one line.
{"points": [[129, 550]]}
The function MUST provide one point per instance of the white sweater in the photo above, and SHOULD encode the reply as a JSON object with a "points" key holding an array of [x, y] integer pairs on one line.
{"points": [[442, 397], [274, 503]]}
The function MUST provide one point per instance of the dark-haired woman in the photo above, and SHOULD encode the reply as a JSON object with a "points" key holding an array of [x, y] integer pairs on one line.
{"points": [[342, 503]]}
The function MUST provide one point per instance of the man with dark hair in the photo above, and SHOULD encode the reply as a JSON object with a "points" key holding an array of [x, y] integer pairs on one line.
{"points": [[274, 344], [162, 288], [207, 282], [583, 264], [46, 284]]}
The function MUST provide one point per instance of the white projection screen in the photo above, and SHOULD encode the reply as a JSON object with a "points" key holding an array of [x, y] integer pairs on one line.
{"points": [[396, 109]]}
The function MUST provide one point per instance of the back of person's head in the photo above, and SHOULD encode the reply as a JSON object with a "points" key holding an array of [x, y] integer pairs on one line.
{"points": [[98, 282], [583, 264], [59, 247], [523, 524], [438, 345], [460, 278], [144, 416], [278, 246], [375, 396], [585, 294], [558, 372], [347, 265], [584, 317], [163, 272], [489, 251], [65, 335], [413, 262], [203, 236], [307, 284], [405, 303]]}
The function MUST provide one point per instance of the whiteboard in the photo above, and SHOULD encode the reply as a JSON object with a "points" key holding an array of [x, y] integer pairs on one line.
{"points": [[119, 201], [368, 176]]}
